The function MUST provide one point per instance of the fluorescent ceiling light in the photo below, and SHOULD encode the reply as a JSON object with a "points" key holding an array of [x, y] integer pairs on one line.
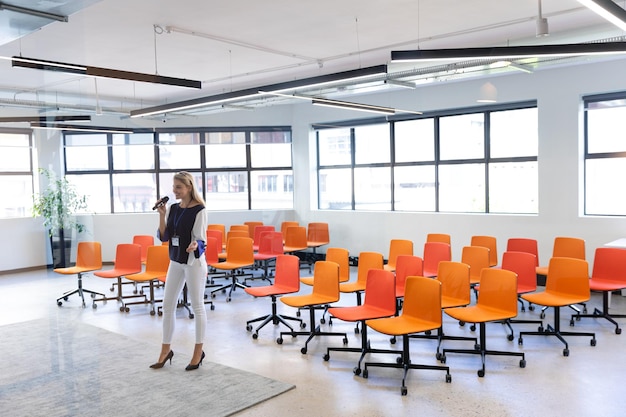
{"points": [[510, 52], [78, 128], [399, 83], [33, 12], [353, 106], [41, 64], [45, 119], [608, 10]]}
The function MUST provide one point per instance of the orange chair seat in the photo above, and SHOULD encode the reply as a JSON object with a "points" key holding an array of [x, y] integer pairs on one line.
{"points": [[402, 325], [146, 276], [307, 300], [72, 270], [358, 313], [114, 273], [228, 265], [553, 300], [479, 314], [596, 284], [268, 290]]}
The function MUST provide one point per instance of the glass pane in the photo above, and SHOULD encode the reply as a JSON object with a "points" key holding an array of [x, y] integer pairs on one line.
{"points": [[372, 144], [372, 189], [462, 137], [514, 133], [179, 150], [415, 140], [96, 188], [227, 190], [335, 187], [222, 138], [606, 129], [603, 195], [272, 189], [513, 188], [414, 188], [334, 147], [14, 159], [462, 188], [86, 152], [133, 151], [133, 193], [271, 155], [20, 190], [225, 156], [271, 137]]}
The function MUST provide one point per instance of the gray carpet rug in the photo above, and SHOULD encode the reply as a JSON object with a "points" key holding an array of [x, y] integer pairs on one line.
{"points": [[54, 369]]}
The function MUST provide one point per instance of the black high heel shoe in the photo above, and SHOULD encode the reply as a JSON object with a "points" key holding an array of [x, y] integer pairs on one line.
{"points": [[191, 367], [159, 365]]}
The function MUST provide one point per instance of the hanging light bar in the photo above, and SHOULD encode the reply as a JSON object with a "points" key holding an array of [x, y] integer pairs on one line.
{"points": [[78, 128], [608, 10], [45, 119], [32, 12]]}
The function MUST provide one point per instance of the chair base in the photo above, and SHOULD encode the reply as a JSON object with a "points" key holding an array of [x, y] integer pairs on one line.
{"points": [[603, 314], [120, 297], [556, 331], [404, 363], [440, 336], [483, 352], [150, 300], [274, 317], [315, 331], [80, 291], [232, 286]]}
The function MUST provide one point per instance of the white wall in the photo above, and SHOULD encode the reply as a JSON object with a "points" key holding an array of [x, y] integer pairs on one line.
{"points": [[558, 93]]}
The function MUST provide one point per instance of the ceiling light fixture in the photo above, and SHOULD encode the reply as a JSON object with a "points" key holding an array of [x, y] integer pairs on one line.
{"points": [[542, 24], [273, 89], [399, 83], [40, 64], [353, 106], [77, 128], [32, 12], [608, 10], [488, 93], [45, 119], [524, 51]]}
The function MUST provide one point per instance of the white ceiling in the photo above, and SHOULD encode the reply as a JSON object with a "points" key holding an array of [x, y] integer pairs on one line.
{"points": [[238, 44]]}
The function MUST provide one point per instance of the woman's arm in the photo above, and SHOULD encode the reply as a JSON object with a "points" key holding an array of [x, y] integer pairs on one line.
{"points": [[162, 233], [198, 234]]}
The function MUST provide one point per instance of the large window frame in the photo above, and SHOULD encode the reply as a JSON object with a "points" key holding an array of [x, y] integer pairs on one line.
{"points": [[16, 172]]}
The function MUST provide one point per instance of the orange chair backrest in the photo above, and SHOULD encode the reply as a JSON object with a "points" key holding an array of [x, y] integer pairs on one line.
{"points": [[212, 250], [422, 299], [284, 225], [524, 265], [326, 279], [435, 252], [144, 241], [438, 237], [257, 233], [318, 233], [569, 247], [568, 276], [455, 281], [240, 251], [295, 237], [128, 257], [342, 257], [380, 290], [221, 228], [271, 243], [252, 227], [407, 265], [157, 260], [218, 235], [287, 272], [490, 243], [367, 261], [399, 247], [609, 264], [89, 255], [522, 244], [477, 257], [236, 233], [498, 290]]}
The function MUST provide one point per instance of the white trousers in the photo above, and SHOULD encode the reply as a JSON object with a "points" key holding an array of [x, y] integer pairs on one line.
{"points": [[195, 277]]}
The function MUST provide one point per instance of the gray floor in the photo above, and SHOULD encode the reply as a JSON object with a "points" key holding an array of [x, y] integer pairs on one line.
{"points": [[590, 382]]}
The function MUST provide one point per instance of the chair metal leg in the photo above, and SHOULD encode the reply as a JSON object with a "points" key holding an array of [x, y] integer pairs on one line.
{"points": [[604, 313], [315, 331], [274, 317], [80, 291]]}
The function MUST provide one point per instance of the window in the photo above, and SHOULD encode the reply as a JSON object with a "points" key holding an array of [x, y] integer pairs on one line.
{"points": [[469, 162], [605, 154], [16, 178]]}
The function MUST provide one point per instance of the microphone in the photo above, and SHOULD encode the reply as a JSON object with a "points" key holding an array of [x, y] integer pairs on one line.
{"points": [[161, 202]]}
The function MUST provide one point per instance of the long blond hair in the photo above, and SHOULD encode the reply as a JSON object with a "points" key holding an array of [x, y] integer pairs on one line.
{"points": [[187, 179]]}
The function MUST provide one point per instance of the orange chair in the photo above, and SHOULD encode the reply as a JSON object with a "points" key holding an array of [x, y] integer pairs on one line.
{"points": [[380, 301], [325, 291], [240, 227], [522, 244], [421, 312], [229, 235], [477, 257], [127, 261], [490, 243], [497, 302], [406, 266], [240, 255], [284, 225], [608, 275], [397, 247], [317, 235], [145, 241], [287, 281], [252, 225], [567, 283], [157, 263], [270, 247], [295, 240], [88, 259], [257, 235], [367, 261], [221, 228], [565, 247], [435, 252], [438, 237], [523, 264]]}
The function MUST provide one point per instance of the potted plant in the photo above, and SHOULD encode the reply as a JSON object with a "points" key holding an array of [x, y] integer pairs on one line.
{"points": [[57, 205]]}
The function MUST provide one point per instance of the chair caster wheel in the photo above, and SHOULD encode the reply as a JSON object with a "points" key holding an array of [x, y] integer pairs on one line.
{"points": [[160, 313], [59, 303], [392, 340], [448, 378], [403, 391], [520, 341], [540, 329], [212, 307], [461, 323], [212, 295], [93, 296], [255, 336], [94, 306], [249, 328], [531, 308], [571, 322], [356, 330], [228, 300], [279, 341], [399, 360], [565, 352], [438, 356], [345, 340], [593, 342], [191, 316], [510, 337], [302, 325], [473, 327], [618, 331], [481, 373], [152, 313], [64, 298], [365, 373], [542, 315], [522, 363], [322, 320], [326, 357], [303, 351], [126, 309], [298, 313], [443, 359], [122, 309], [476, 346]]}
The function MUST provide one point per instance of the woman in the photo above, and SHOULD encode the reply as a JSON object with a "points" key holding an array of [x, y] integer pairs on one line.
{"points": [[183, 226]]}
